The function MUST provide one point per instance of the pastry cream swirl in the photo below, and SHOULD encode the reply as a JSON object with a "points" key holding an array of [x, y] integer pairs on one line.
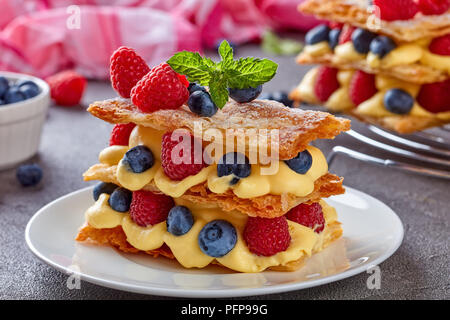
{"points": [[374, 106], [283, 181], [185, 248]]}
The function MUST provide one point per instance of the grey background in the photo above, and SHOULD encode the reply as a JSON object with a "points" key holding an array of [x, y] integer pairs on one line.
{"points": [[70, 144]]}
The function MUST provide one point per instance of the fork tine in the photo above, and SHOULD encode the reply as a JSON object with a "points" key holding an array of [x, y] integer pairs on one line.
{"points": [[389, 163]]}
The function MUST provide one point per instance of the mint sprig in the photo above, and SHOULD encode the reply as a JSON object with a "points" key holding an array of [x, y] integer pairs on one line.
{"points": [[227, 73]]}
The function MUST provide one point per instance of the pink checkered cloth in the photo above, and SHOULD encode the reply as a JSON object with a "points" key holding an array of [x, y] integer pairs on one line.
{"points": [[42, 37]]}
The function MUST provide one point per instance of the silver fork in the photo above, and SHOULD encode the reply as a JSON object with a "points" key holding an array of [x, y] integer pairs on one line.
{"points": [[432, 149]]}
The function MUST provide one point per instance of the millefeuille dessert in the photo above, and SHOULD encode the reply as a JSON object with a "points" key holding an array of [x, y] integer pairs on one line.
{"points": [[404, 43], [195, 176]]}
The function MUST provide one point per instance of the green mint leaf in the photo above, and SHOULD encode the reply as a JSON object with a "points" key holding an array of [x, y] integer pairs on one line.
{"points": [[228, 73], [273, 44], [250, 72], [208, 62], [225, 51], [218, 89], [192, 65]]}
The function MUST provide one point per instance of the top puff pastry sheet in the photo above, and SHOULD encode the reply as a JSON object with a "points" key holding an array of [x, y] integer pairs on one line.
{"points": [[297, 128], [358, 13]]}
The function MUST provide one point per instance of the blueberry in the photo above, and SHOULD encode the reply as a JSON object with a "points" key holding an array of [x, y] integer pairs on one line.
{"points": [[29, 174], [29, 91], [200, 103], [333, 37], [382, 45], [179, 221], [266, 96], [14, 95], [139, 159], [4, 86], [27, 83], [217, 238], [398, 101], [282, 97], [234, 181], [103, 187], [317, 34], [361, 40], [301, 163], [236, 164], [195, 87], [245, 95], [120, 199]]}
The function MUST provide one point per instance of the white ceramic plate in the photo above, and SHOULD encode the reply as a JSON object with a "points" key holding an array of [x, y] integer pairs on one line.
{"points": [[372, 233]]}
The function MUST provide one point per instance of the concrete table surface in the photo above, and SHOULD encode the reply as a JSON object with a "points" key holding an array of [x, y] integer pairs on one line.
{"points": [[72, 139]]}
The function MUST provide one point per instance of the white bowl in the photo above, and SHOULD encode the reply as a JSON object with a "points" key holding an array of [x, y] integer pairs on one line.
{"points": [[21, 123]]}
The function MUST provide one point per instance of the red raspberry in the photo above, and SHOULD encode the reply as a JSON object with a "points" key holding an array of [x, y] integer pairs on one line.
{"points": [[159, 89], [266, 237], [432, 7], [67, 87], [183, 79], [390, 10], [180, 171], [148, 208], [126, 69], [362, 87], [435, 97], [335, 25], [440, 45], [346, 34], [120, 134], [326, 83], [308, 215]]}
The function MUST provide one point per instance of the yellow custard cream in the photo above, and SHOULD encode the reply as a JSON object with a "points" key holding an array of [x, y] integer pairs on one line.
{"points": [[374, 107], [186, 249], [404, 54], [257, 184], [318, 49]]}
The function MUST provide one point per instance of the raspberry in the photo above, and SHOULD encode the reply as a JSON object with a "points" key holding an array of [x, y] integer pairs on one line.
{"points": [[182, 170], [432, 7], [346, 34], [159, 89], [266, 237], [326, 83], [67, 87], [148, 208], [120, 134], [435, 97], [335, 25], [441, 45], [362, 87], [395, 9], [308, 215], [183, 79], [126, 69]]}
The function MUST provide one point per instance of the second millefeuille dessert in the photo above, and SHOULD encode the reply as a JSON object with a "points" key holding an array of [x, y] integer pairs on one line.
{"points": [[385, 62], [193, 175]]}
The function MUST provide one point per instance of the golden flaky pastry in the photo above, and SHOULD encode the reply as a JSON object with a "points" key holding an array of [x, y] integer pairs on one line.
{"points": [[296, 128], [267, 206], [357, 13], [415, 73], [115, 237]]}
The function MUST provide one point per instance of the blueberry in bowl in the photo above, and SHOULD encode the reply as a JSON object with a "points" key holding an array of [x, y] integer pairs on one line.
{"points": [[12, 91], [24, 101]]}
